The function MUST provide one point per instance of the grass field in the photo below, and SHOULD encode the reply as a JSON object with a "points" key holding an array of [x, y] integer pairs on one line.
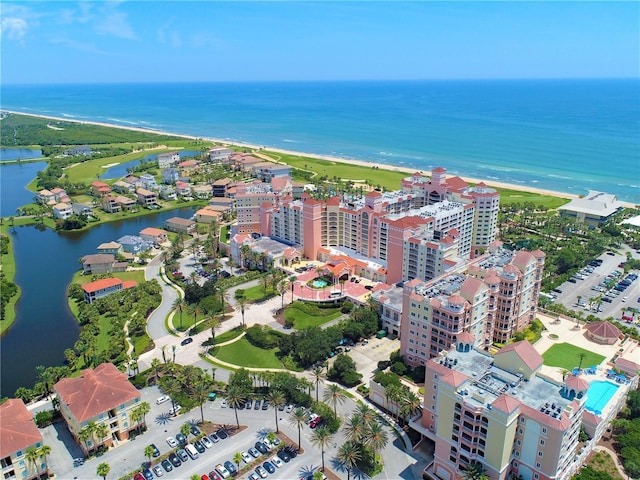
{"points": [[243, 354], [304, 320], [229, 335], [567, 356], [507, 197], [136, 275], [259, 294]]}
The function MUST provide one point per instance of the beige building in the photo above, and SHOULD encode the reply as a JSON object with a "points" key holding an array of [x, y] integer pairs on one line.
{"points": [[17, 434], [103, 396]]}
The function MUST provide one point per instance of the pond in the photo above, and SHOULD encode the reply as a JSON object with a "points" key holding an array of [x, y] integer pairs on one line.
{"points": [[14, 179], [9, 154], [120, 170], [45, 263]]}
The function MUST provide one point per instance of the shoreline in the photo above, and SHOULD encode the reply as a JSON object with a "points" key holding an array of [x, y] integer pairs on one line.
{"points": [[347, 161]]}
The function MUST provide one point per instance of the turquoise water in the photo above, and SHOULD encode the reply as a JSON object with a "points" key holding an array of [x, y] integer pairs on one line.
{"points": [[553, 134], [319, 283], [599, 394]]}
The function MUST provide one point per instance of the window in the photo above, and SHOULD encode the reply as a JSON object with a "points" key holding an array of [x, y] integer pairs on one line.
{"points": [[544, 430], [538, 465], [540, 454], [541, 442], [536, 476]]}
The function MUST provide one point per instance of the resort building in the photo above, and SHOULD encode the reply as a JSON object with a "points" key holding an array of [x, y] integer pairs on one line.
{"points": [[104, 287], [594, 209], [156, 236], [180, 225], [110, 205], [208, 215], [148, 181], [166, 160], [134, 244], [217, 154], [100, 189], [389, 301], [489, 298], [103, 396], [499, 411], [146, 198], [221, 186], [18, 433], [113, 248]]}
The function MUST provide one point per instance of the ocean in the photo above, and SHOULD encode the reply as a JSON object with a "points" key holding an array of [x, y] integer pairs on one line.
{"points": [[565, 135]]}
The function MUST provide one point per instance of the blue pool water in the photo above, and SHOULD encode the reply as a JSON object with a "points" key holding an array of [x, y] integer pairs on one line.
{"points": [[599, 394], [319, 283]]}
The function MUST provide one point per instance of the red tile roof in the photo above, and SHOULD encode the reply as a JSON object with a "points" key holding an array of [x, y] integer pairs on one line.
{"points": [[604, 329], [17, 430], [95, 391], [455, 378], [576, 383], [506, 403], [101, 284], [525, 351], [466, 337]]}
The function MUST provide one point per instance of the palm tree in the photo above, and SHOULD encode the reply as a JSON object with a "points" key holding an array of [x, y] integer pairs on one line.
{"points": [[32, 455], [180, 305], [237, 458], [185, 429], [318, 377], [241, 300], [101, 431], [377, 437], [283, 287], [474, 471], [172, 388], [367, 414], [235, 398], [297, 418], [582, 355], [276, 399], [144, 408], [148, 452], [320, 437], [195, 311], [410, 404], [103, 470], [200, 392], [335, 395], [354, 428], [348, 455], [84, 435], [45, 451]]}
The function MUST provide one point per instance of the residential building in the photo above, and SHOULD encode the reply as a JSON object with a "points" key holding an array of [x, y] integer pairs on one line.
{"points": [[188, 167], [594, 209], [166, 160], [78, 150], [221, 186], [125, 203], [147, 198], [46, 197], [167, 192], [170, 175], [18, 433], [267, 171], [180, 225], [100, 189], [110, 205], [102, 263], [113, 248], [134, 244], [499, 411], [208, 215], [248, 202], [62, 210], [219, 153], [123, 187], [104, 287], [81, 209], [103, 396], [389, 301], [148, 181], [183, 189], [490, 298], [157, 236], [226, 205], [202, 191]]}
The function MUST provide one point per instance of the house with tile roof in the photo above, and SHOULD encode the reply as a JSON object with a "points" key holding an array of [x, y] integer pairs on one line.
{"points": [[102, 263], [154, 235], [103, 396], [104, 287], [62, 210], [17, 434]]}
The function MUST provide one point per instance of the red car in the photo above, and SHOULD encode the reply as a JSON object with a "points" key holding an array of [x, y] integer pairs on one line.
{"points": [[213, 475], [315, 422], [138, 476]]}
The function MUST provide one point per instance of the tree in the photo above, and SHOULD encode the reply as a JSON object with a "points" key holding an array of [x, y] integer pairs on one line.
{"points": [[318, 377], [185, 429], [45, 451], [320, 437], [172, 387], [141, 411], [276, 399], [297, 418], [200, 391], [283, 287], [180, 305], [377, 437], [237, 458], [155, 364], [355, 428], [84, 435], [148, 452], [410, 404], [32, 455], [474, 471], [241, 301], [103, 470], [334, 395], [348, 455], [235, 399]]}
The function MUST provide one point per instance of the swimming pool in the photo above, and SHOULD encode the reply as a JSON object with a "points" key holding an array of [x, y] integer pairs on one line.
{"points": [[599, 394], [319, 283]]}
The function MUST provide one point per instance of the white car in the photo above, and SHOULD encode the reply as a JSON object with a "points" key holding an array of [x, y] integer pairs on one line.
{"points": [[162, 399], [175, 410], [624, 299], [172, 442], [206, 442], [276, 461], [289, 408], [246, 457], [224, 403]]}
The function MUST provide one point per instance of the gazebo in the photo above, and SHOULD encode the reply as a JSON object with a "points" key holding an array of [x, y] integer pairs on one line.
{"points": [[603, 332]]}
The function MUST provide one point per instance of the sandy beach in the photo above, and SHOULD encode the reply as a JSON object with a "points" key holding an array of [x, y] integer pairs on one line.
{"points": [[348, 161]]}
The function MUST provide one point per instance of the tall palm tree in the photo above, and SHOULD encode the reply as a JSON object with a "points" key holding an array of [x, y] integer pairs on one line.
{"points": [[32, 455], [348, 455], [410, 405], [377, 437], [242, 301], [103, 470], [283, 287], [318, 377], [142, 410], [335, 395], [355, 428], [195, 311], [297, 418], [148, 452], [235, 398], [237, 458], [320, 437], [84, 435], [172, 388], [200, 392], [45, 451], [276, 399], [367, 414], [180, 305], [155, 364], [102, 432]]}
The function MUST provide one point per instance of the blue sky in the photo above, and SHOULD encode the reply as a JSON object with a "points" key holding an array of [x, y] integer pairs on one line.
{"points": [[141, 41]]}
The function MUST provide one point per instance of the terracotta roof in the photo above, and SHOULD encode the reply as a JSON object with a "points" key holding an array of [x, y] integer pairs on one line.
{"points": [[180, 221], [492, 279], [525, 351], [373, 193], [466, 337], [538, 254], [576, 383], [604, 329], [591, 417], [454, 378], [522, 258], [506, 403], [562, 423], [456, 300], [129, 284], [438, 170], [17, 430], [101, 284], [152, 231], [471, 287], [95, 391]]}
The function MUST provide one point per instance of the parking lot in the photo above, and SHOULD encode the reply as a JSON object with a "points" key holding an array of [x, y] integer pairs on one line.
{"points": [[589, 287]]}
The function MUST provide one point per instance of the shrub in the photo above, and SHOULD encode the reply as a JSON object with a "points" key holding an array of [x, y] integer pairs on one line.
{"points": [[327, 415], [262, 337], [399, 368], [44, 418]]}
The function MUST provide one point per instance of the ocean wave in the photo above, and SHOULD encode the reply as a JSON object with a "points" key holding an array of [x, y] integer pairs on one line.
{"points": [[289, 140], [122, 121], [386, 154], [561, 177]]}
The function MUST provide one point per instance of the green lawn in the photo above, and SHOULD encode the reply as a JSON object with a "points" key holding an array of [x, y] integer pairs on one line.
{"points": [[567, 356], [259, 294], [304, 320], [230, 335], [243, 354], [136, 275], [507, 197]]}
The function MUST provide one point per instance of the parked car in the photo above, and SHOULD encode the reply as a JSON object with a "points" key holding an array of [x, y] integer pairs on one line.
{"points": [[214, 438], [261, 471], [284, 456], [138, 476], [265, 404], [156, 452], [231, 467], [199, 446], [213, 475], [195, 431], [173, 443], [224, 473], [269, 467], [206, 442], [262, 448], [181, 439], [246, 457], [174, 410], [275, 460], [293, 453], [166, 464], [162, 399], [158, 471], [175, 460], [257, 404], [186, 341], [182, 455], [222, 433], [254, 476], [249, 404], [254, 453], [147, 474]]}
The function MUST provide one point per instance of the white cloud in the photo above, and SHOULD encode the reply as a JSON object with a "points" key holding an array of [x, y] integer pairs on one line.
{"points": [[111, 21], [14, 28]]}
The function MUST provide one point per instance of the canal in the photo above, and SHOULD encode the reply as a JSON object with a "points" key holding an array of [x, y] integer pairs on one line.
{"points": [[45, 263]]}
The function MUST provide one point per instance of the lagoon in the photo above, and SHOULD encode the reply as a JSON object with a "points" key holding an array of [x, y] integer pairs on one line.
{"points": [[14, 179], [10, 154], [45, 262]]}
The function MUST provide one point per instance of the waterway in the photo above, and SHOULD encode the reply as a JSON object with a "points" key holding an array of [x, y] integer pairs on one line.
{"points": [[10, 154], [14, 179], [45, 262]]}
